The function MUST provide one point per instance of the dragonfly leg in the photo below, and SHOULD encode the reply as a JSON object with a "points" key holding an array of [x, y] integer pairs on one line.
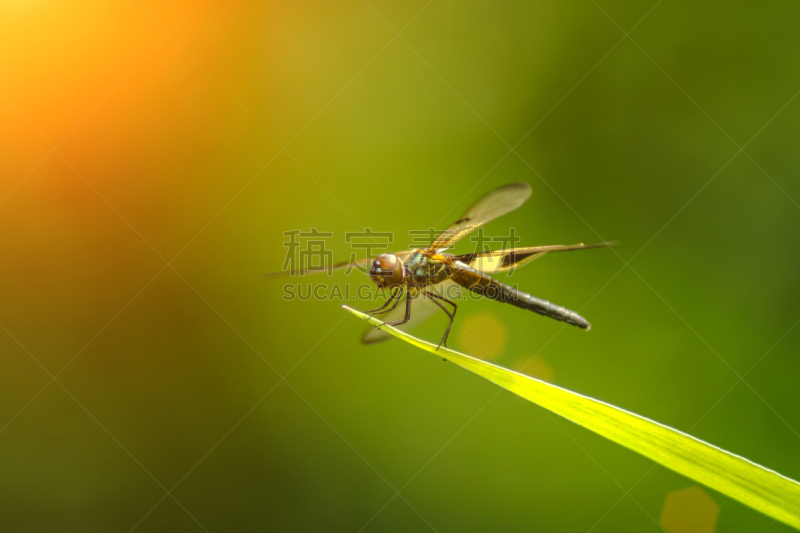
{"points": [[452, 316], [396, 301], [394, 297], [408, 311]]}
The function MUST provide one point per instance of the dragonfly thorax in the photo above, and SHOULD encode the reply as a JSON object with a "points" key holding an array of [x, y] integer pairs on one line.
{"points": [[387, 271], [422, 270]]}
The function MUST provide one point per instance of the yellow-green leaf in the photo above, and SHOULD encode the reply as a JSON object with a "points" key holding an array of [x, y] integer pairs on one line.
{"points": [[751, 484]]}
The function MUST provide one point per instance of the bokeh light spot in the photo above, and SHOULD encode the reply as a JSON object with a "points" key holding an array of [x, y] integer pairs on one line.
{"points": [[689, 510], [535, 366], [482, 335]]}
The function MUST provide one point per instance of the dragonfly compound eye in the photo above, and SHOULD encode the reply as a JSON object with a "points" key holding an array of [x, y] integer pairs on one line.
{"points": [[386, 271]]}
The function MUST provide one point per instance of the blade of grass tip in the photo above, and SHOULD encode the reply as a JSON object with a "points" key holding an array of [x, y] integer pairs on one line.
{"points": [[753, 485]]}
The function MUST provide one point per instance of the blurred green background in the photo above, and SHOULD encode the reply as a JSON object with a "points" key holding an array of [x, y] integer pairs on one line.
{"points": [[679, 141]]}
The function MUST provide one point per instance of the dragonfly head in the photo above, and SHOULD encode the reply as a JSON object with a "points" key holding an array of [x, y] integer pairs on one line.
{"points": [[387, 271]]}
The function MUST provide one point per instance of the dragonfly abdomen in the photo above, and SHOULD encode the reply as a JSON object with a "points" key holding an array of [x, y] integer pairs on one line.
{"points": [[489, 287], [543, 307]]}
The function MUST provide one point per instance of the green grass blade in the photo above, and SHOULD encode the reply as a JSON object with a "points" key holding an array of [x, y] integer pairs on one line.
{"points": [[751, 484]]}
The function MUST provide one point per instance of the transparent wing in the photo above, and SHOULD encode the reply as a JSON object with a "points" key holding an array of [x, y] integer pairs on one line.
{"points": [[402, 256], [488, 207], [422, 308], [502, 260]]}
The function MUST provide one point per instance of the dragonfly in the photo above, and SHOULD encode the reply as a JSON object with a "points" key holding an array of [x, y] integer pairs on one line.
{"points": [[424, 279]]}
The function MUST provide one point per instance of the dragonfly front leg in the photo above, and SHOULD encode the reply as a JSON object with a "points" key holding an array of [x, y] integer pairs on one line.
{"points": [[408, 311], [435, 297], [394, 297]]}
